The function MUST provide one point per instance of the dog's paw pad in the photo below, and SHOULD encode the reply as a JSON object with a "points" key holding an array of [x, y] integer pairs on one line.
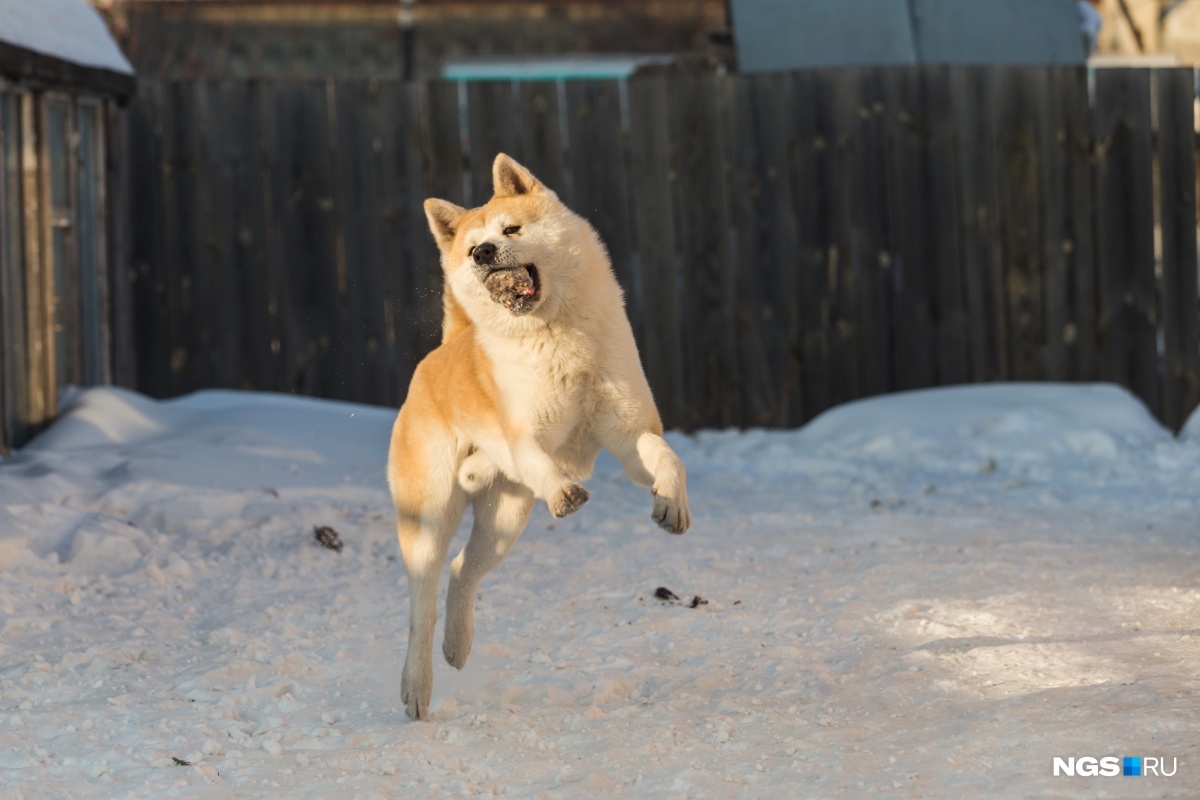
{"points": [[671, 516], [415, 693], [456, 653], [569, 500]]}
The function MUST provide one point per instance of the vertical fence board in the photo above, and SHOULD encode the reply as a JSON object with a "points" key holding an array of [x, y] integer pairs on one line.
{"points": [[866, 186], [599, 182], [766, 281], [651, 201], [412, 307], [1017, 142], [119, 209], [239, 218], [838, 104], [227, 125], [311, 299], [360, 258], [1078, 227], [146, 269], [944, 270], [978, 220], [541, 146], [809, 175], [1177, 200], [1127, 325], [492, 129], [709, 347], [1052, 157], [910, 137], [443, 145], [189, 336]]}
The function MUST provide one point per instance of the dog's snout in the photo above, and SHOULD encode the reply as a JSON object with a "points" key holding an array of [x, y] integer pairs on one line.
{"points": [[484, 253]]}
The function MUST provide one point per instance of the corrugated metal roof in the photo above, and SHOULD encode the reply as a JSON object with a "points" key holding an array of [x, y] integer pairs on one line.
{"points": [[68, 30]]}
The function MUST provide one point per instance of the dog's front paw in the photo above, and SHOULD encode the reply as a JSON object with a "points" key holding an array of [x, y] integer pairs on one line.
{"points": [[671, 515], [569, 499], [416, 688]]}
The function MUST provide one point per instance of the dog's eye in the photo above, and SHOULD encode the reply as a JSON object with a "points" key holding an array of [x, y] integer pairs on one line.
{"points": [[511, 229]]}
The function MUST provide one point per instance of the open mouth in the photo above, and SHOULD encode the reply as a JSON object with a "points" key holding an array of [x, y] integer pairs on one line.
{"points": [[515, 288]]}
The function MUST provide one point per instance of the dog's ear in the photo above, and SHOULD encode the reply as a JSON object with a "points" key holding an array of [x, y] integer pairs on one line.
{"points": [[443, 220], [510, 179]]}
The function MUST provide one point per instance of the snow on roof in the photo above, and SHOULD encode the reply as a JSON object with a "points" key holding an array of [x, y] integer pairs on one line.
{"points": [[68, 30]]}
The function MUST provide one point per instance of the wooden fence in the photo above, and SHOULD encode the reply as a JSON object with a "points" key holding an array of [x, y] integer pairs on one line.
{"points": [[786, 242]]}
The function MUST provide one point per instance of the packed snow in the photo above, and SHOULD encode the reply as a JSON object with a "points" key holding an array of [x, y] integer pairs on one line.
{"points": [[930, 594]]}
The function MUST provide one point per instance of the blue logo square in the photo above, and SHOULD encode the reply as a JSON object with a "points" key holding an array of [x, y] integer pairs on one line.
{"points": [[1132, 766]]}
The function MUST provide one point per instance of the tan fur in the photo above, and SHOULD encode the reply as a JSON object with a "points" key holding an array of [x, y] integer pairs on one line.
{"points": [[515, 405]]}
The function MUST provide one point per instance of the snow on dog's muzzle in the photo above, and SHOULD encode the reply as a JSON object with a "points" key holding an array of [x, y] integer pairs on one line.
{"points": [[515, 288]]}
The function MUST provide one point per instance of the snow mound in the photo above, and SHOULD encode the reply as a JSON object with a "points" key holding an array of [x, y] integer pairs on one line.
{"points": [[1097, 421], [231, 438]]}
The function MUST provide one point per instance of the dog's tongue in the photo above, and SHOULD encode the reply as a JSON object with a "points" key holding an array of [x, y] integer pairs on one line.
{"points": [[510, 283]]}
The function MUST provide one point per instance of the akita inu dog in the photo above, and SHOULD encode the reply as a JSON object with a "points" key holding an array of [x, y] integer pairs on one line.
{"points": [[536, 373]]}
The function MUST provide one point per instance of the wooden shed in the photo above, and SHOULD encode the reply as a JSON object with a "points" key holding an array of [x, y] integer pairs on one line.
{"points": [[63, 81]]}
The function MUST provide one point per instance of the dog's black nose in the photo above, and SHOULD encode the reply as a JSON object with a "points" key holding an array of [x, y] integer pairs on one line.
{"points": [[484, 253]]}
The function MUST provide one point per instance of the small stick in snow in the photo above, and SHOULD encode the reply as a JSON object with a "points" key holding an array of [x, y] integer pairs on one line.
{"points": [[697, 601], [179, 762], [327, 537]]}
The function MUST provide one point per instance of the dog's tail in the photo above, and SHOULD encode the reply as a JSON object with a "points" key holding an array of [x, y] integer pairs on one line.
{"points": [[454, 319]]}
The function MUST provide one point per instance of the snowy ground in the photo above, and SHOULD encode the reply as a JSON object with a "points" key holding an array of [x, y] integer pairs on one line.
{"points": [[926, 595]]}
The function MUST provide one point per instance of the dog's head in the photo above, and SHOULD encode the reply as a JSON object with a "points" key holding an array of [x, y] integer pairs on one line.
{"points": [[518, 256]]}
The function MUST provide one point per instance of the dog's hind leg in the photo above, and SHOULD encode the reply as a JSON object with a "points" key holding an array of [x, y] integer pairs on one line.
{"points": [[501, 512], [427, 521]]}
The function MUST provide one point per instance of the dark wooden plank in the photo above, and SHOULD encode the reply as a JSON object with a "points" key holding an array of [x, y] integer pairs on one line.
{"points": [[871, 246], [309, 296], [767, 317], [239, 215], [1051, 118], [120, 213], [444, 179], [39, 390], [360, 257], [491, 125], [540, 147], [412, 305], [1066, 224], [837, 106], [1127, 317], [221, 349], [147, 278], [443, 143], [1016, 138], [710, 352], [944, 268], [808, 175], [1174, 93], [1079, 230], [188, 333], [599, 183], [651, 201], [13, 366], [979, 215], [909, 138]]}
